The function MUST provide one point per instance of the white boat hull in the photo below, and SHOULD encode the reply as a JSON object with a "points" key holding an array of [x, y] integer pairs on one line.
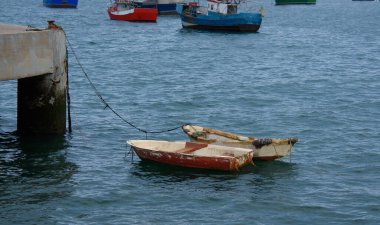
{"points": [[266, 152], [263, 149]]}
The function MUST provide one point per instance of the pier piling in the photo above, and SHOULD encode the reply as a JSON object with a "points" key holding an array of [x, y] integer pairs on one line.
{"points": [[37, 59]]}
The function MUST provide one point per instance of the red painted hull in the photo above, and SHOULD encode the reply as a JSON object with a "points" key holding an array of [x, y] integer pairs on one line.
{"points": [[192, 161], [137, 14]]}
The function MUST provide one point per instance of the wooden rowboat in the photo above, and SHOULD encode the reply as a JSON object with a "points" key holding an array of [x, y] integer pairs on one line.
{"points": [[192, 155], [263, 149]]}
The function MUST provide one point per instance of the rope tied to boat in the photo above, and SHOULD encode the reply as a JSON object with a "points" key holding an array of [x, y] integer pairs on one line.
{"points": [[292, 140], [258, 143], [108, 106], [196, 133]]}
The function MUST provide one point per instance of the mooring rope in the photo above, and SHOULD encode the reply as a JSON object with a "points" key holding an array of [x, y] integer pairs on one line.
{"points": [[68, 92], [108, 105]]}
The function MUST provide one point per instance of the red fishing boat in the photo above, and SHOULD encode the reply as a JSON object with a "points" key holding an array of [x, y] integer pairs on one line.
{"points": [[192, 155], [127, 10]]}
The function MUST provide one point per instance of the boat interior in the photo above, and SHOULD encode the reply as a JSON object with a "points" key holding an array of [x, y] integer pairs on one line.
{"points": [[214, 135], [192, 148]]}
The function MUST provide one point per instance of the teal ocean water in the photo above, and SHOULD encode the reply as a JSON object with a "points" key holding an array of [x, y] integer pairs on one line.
{"points": [[311, 72]]}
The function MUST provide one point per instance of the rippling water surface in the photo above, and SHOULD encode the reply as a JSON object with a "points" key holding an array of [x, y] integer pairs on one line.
{"points": [[311, 72]]}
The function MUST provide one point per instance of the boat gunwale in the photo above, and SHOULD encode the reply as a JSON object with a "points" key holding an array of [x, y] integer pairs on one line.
{"points": [[243, 150], [236, 139], [219, 162]]}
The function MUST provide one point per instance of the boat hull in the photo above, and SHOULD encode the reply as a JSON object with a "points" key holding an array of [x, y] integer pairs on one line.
{"points": [[223, 163], [61, 3], [163, 8], [134, 15], [239, 27], [263, 149], [246, 22], [168, 8], [289, 2], [260, 153]]}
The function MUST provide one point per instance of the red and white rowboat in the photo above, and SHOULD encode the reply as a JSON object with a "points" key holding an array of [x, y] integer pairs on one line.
{"points": [[126, 10], [192, 155]]}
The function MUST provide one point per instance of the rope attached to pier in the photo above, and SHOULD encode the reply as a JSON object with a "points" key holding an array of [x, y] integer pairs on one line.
{"points": [[108, 106], [67, 91]]}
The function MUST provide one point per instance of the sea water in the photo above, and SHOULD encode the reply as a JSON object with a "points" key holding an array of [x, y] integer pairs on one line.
{"points": [[311, 72]]}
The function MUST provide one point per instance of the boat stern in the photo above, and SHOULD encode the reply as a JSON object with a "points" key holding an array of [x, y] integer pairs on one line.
{"points": [[244, 160]]}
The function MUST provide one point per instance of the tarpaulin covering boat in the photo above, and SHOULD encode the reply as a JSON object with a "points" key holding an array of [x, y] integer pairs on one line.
{"points": [[192, 155], [263, 149]]}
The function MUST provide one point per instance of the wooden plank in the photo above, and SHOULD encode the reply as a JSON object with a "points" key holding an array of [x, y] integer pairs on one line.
{"points": [[191, 147]]}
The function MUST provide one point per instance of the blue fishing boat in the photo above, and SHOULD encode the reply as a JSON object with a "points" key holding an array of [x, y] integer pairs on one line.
{"points": [[61, 3], [218, 15]]}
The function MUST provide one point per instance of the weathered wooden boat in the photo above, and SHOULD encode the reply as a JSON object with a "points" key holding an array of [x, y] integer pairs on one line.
{"points": [[218, 15], [129, 11], [263, 149], [289, 2], [60, 3], [163, 6], [192, 155]]}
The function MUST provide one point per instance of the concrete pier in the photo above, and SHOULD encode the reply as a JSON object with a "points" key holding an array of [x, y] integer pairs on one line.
{"points": [[37, 59]]}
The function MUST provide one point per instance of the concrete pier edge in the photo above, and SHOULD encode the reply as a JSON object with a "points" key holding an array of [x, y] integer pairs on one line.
{"points": [[37, 59]]}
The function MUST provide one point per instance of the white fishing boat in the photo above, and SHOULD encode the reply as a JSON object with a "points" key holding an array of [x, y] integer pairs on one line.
{"points": [[263, 149]]}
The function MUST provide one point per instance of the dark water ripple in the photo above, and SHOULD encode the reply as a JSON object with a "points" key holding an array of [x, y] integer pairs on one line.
{"points": [[311, 72]]}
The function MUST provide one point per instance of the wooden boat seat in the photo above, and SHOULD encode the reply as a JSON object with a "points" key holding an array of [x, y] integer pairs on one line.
{"points": [[191, 147]]}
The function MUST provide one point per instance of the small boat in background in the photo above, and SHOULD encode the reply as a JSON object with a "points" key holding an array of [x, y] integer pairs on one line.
{"points": [[290, 2], [60, 3], [129, 11], [192, 155], [163, 6], [219, 15], [263, 149]]}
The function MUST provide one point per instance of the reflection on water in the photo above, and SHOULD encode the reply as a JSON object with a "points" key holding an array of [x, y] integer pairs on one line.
{"points": [[264, 168], [169, 173], [259, 175], [274, 168], [33, 170], [270, 173]]}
